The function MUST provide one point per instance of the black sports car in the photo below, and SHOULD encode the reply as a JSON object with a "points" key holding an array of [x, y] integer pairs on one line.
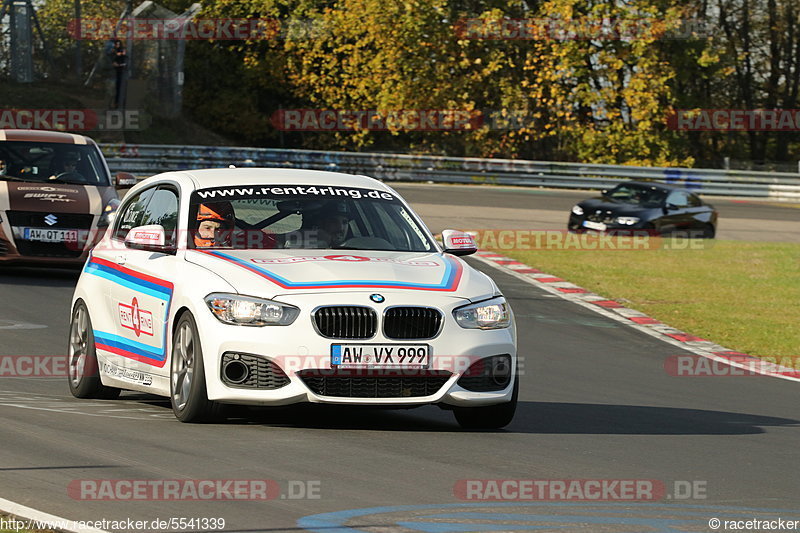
{"points": [[654, 207]]}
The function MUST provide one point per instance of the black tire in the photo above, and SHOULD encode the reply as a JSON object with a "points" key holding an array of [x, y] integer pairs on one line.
{"points": [[187, 381], [84, 372], [708, 232], [651, 230], [489, 417]]}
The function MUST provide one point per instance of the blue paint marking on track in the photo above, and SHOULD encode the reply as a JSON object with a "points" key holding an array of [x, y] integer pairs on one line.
{"points": [[479, 517]]}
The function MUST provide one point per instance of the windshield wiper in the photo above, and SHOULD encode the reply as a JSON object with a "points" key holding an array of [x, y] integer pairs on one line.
{"points": [[7, 177]]}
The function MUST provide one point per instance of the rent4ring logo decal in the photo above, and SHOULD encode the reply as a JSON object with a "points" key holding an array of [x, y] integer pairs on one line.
{"points": [[293, 191], [139, 320], [450, 278], [141, 284], [352, 258]]}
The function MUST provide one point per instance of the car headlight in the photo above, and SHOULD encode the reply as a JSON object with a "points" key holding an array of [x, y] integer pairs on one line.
{"points": [[107, 216], [626, 221], [577, 210], [250, 311], [491, 314]]}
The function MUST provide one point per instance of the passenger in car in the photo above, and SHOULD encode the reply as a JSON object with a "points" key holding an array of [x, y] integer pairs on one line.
{"points": [[331, 223]]}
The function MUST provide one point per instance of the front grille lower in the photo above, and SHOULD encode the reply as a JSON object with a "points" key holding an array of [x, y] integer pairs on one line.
{"points": [[263, 373], [364, 385], [605, 218], [48, 249], [346, 322], [411, 322], [36, 219]]}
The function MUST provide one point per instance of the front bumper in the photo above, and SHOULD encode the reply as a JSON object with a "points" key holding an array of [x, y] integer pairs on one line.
{"points": [[17, 251], [576, 223], [299, 349]]}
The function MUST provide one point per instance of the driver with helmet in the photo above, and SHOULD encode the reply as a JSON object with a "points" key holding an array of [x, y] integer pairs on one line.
{"points": [[215, 223]]}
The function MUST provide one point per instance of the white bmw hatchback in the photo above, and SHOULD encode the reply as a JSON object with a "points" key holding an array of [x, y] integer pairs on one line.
{"points": [[273, 286]]}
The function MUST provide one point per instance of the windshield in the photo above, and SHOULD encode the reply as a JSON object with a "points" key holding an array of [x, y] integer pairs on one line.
{"points": [[638, 195], [303, 217], [44, 162]]}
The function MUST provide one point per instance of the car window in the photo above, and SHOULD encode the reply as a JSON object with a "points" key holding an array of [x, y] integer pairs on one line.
{"points": [[255, 210], [678, 199], [293, 216], [132, 214], [694, 201], [637, 194], [44, 162], [162, 209]]}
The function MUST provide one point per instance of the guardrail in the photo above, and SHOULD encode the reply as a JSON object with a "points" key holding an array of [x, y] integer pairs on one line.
{"points": [[148, 159]]}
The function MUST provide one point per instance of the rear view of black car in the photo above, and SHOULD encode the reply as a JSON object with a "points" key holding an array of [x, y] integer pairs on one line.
{"points": [[656, 208]]}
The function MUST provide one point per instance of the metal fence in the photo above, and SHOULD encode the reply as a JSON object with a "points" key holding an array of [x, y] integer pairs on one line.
{"points": [[145, 160]]}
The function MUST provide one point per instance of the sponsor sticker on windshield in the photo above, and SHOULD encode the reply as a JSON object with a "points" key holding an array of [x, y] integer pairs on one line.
{"points": [[346, 258], [287, 191]]}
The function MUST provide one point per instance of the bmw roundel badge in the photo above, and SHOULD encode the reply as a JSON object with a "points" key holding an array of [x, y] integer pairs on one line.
{"points": [[377, 298]]}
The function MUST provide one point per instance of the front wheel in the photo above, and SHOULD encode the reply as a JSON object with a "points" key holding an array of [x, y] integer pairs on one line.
{"points": [[188, 394], [651, 230], [84, 372], [489, 417]]}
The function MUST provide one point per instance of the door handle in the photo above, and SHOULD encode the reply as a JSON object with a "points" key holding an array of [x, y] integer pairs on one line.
{"points": [[121, 259]]}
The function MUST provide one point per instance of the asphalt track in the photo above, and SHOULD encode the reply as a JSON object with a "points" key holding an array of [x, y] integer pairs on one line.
{"points": [[595, 403], [490, 207]]}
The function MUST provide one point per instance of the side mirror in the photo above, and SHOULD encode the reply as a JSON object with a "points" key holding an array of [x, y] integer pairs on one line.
{"points": [[151, 238], [458, 242], [671, 207], [124, 180]]}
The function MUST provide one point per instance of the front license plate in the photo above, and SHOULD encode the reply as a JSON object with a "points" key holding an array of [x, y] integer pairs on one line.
{"points": [[380, 355], [50, 235], [599, 226]]}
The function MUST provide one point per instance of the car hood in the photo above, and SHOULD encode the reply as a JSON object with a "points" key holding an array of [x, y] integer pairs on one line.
{"points": [[57, 197], [607, 205], [272, 273]]}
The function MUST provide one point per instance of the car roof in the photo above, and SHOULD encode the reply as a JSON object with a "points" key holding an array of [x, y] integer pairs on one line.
{"points": [[218, 177], [656, 185], [44, 136]]}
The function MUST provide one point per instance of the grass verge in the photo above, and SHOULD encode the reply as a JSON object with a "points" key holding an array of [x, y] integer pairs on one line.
{"points": [[742, 295]]}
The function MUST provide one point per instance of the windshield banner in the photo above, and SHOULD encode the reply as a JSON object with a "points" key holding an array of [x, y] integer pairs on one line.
{"points": [[278, 192]]}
